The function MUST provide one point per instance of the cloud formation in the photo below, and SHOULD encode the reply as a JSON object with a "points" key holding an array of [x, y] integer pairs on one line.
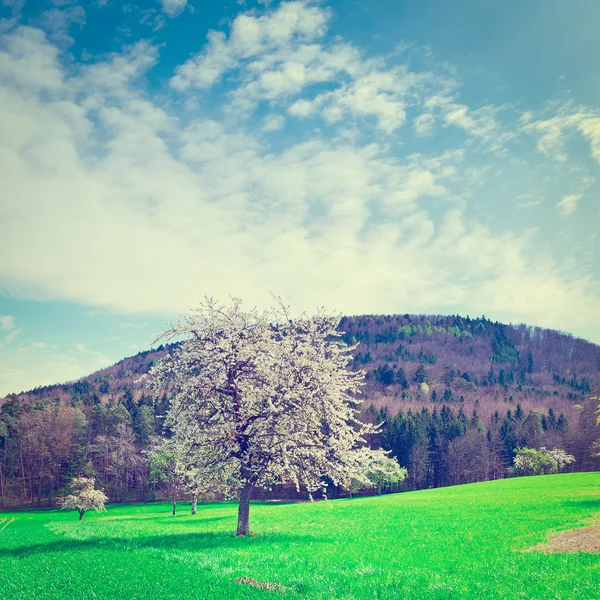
{"points": [[555, 131], [139, 202], [568, 205], [7, 322], [285, 53], [173, 8]]}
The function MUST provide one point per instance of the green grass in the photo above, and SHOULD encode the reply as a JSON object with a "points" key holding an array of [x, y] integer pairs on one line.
{"points": [[458, 542]]}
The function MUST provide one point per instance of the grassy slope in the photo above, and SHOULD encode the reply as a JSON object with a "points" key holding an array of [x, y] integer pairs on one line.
{"points": [[459, 542]]}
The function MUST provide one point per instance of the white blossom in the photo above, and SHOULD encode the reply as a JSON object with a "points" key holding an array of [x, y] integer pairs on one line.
{"points": [[530, 461], [259, 398], [84, 497]]}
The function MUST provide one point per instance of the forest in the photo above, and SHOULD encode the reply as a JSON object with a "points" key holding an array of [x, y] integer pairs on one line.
{"points": [[455, 397]]}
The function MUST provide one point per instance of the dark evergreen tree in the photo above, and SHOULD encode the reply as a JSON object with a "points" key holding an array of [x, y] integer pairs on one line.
{"points": [[530, 362], [519, 414], [420, 375], [401, 378]]}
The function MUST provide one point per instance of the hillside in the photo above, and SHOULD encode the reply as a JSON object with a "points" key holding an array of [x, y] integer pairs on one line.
{"points": [[455, 397], [475, 541], [472, 361], [460, 360]]}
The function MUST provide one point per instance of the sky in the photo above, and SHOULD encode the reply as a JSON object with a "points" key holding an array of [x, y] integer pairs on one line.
{"points": [[380, 156]]}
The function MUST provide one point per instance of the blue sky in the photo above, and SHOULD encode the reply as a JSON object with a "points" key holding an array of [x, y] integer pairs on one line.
{"points": [[369, 157]]}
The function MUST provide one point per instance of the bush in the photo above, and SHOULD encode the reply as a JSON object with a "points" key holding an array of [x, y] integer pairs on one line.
{"points": [[530, 461]]}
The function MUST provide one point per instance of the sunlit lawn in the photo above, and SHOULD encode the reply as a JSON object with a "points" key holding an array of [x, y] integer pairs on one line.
{"points": [[457, 542]]}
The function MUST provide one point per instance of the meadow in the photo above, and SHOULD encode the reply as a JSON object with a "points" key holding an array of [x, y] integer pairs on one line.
{"points": [[468, 541]]}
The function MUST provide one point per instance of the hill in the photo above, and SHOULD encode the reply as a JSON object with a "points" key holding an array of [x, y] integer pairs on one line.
{"points": [[455, 395], [458, 358], [474, 541]]}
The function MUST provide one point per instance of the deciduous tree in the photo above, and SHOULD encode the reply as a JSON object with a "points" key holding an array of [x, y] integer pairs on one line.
{"points": [[84, 496], [165, 470], [260, 398], [529, 461], [385, 472], [468, 457]]}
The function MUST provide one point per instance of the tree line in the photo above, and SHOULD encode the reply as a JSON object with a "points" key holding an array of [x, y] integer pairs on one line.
{"points": [[98, 432], [45, 445], [448, 447]]}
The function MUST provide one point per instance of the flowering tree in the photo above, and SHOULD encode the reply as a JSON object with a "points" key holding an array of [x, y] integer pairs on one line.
{"points": [[84, 497], [197, 480], [380, 472], [530, 461], [260, 399], [560, 457], [165, 470], [385, 471]]}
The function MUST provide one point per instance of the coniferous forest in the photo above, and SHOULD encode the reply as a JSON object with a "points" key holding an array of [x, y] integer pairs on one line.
{"points": [[455, 398]]}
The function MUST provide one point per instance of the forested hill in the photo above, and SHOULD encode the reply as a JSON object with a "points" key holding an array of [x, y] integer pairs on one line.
{"points": [[411, 359], [455, 395], [466, 360]]}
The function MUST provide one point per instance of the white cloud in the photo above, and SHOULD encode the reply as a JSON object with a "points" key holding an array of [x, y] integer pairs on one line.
{"points": [[301, 108], [555, 131], [8, 325], [282, 53], [15, 7], [251, 37], [589, 127], [29, 62], [7, 322], [379, 94], [116, 74], [114, 201], [423, 124], [568, 205], [524, 201], [173, 8], [57, 22], [11, 335], [273, 122], [480, 123]]}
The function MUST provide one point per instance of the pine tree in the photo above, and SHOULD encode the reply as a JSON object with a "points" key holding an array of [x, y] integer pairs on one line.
{"points": [[519, 414], [420, 375]]}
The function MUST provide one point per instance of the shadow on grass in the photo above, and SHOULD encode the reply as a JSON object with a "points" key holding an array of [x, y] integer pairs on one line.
{"points": [[189, 542], [167, 520], [588, 503], [197, 521]]}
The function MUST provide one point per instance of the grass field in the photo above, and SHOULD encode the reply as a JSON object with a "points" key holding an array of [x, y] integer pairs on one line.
{"points": [[457, 542]]}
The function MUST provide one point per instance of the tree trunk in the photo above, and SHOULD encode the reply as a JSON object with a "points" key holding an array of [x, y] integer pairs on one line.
{"points": [[22, 469], [81, 514], [379, 490], [244, 511], [2, 467], [194, 502], [174, 507]]}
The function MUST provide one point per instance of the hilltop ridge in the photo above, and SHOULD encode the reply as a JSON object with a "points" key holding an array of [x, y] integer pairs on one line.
{"points": [[455, 397], [413, 359]]}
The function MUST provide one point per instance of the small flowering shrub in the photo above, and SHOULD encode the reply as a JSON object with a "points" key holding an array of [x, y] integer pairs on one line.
{"points": [[530, 461], [84, 497]]}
